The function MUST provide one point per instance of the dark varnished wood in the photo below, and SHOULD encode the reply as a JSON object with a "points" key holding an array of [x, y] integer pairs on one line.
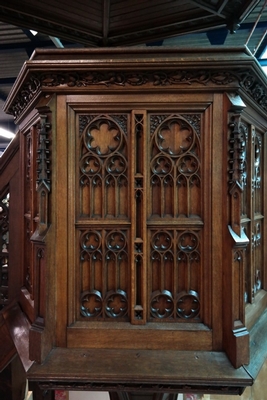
{"points": [[7, 349], [19, 327], [144, 217], [116, 23], [138, 371]]}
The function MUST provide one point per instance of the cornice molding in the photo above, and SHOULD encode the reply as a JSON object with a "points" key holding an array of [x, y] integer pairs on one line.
{"points": [[189, 78]]}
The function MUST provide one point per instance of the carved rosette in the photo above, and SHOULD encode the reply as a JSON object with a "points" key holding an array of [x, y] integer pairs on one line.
{"points": [[175, 167], [188, 305], [103, 166], [43, 181]]}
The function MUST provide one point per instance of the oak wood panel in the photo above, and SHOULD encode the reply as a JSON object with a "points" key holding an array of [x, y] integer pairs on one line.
{"points": [[152, 339], [59, 219], [205, 195]]}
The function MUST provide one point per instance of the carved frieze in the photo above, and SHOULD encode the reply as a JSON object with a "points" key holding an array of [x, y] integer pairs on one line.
{"points": [[122, 79]]}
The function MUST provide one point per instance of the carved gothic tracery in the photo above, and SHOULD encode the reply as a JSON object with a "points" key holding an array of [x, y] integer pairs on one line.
{"points": [[105, 185], [104, 262], [175, 167], [175, 265], [104, 166]]}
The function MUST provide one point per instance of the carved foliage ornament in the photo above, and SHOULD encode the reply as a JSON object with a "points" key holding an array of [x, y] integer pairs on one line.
{"points": [[138, 78], [237, 152]]}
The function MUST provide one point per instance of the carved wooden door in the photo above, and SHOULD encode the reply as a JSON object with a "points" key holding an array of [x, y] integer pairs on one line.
{"points": [[142, 203]]}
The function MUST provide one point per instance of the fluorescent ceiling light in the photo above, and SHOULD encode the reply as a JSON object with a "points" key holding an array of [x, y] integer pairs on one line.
{"points": [[6, 134]]}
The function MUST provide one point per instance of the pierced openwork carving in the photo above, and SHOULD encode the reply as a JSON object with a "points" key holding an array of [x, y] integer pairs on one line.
{"points": [[175, 168], [175, 191], [237, 151], [104, 167], [105, 266], [4, 255], [256, 249], [116, 304], [237, 170], [188, 305], [175, 265], [162, 304], [91, 303], [257, 161]]}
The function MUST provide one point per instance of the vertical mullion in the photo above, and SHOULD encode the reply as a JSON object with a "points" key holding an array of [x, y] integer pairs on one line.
{"points": [[104, 267], [162, 199], [138, 219], [132, 162], [91, 194], [144, 215]]}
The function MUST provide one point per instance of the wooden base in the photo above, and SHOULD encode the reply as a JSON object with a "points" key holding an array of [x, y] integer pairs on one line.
{"points": [[142, 370]]}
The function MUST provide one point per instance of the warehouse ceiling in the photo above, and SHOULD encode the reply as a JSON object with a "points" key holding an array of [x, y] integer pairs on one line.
{"points": [[27, 24]]}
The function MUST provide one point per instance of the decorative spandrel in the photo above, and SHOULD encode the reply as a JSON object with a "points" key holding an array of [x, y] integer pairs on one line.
{"points": [[4, 254], [105, 269], [104, 166], [175, 170]]}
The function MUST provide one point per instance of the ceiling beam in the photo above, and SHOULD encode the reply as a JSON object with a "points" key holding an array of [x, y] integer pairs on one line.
{"points": [[106, 16], [209, 8]]}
